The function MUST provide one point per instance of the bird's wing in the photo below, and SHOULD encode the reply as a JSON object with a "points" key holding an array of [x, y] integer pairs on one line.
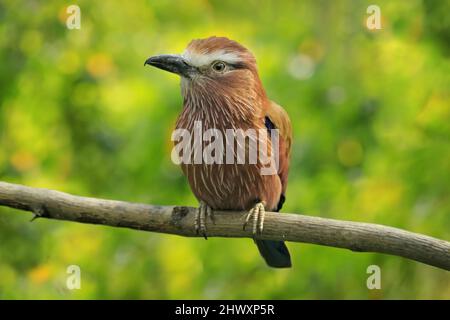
{"points": [[277, 118]]}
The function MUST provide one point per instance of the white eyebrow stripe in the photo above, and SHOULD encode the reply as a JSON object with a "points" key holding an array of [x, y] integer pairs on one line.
{"points": [[204, 59]]}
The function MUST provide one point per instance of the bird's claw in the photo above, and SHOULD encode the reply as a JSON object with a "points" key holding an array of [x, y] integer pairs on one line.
{"points": [[257, 213], [203, 212]]}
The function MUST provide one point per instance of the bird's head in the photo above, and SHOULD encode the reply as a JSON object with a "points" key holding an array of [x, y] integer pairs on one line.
{"points": [[214, 65]]}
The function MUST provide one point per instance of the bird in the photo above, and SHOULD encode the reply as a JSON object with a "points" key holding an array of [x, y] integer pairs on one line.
{"points": [[222, 90]]}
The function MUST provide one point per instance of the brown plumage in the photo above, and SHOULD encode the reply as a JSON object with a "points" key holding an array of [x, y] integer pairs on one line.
{"points": [[221, 88]]}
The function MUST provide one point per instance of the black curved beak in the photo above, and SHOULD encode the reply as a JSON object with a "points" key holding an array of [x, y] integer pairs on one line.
{"points": [[172, 63]]}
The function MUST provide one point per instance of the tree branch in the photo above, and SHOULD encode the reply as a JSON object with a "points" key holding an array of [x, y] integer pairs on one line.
{"points": [[179, 220]]}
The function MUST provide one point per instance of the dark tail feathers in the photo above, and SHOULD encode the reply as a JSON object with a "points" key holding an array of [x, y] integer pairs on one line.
{"points": [[275, 253]]}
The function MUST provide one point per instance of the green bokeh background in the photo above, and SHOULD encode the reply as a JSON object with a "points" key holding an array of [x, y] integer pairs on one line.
{"points": [[79, 113]]}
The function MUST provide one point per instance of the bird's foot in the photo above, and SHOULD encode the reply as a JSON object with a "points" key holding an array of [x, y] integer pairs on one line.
{"points": [[257, 214], [203, 212]]}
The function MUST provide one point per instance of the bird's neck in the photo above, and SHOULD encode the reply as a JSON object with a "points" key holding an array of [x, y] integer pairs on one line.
{"points": [[222, 109]]}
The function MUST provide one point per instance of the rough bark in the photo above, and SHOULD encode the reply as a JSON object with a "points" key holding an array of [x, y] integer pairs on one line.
{"points": [[179, 220]]}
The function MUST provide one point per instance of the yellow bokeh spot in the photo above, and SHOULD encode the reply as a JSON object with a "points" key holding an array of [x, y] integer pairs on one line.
{"points": [[40, 274], [350, 152], [63, 15], [99, 65], [23, 161]]}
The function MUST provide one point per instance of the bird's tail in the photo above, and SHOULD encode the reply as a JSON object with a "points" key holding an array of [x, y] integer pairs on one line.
{"points": [[275, 253]]}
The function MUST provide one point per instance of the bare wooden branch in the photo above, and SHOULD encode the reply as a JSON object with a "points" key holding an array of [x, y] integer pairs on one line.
{"points": [[179, 220]]}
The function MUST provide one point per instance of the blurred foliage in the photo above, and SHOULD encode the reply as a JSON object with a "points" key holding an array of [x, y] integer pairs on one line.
{"points": [[80, 113]]}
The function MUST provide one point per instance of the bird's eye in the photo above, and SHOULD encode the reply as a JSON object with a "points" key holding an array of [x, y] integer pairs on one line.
{"points": [[219, 66]]}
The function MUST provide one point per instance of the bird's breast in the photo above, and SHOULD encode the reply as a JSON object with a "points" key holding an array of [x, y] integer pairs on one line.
{"points": [[228, 184]]}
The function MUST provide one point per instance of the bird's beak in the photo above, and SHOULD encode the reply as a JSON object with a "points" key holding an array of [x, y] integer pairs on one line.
{"points": [[172, 63]]}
